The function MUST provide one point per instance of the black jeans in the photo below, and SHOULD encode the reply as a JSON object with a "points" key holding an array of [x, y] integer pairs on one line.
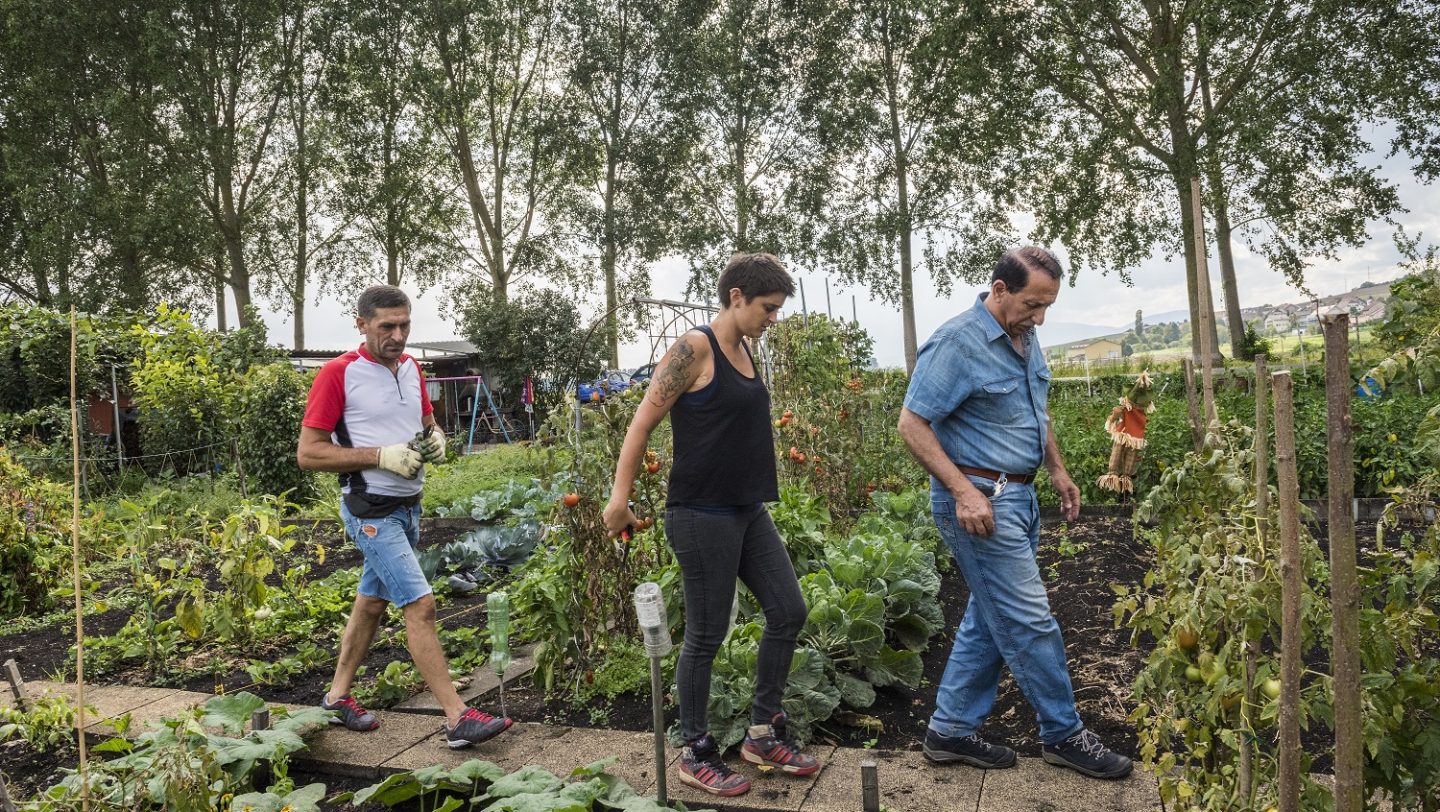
{"points": [[712, 550]]}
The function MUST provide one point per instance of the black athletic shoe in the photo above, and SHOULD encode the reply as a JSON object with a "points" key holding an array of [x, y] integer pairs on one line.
{"points": [[475, 727], [349, 713], [971, 750], [1085, 754], [701, 767]]}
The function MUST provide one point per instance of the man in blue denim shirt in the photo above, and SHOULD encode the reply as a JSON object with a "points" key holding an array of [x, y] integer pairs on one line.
{"points": [[976, 417]]}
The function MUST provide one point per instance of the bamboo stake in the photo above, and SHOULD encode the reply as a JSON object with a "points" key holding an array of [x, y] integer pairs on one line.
{"points": [[1197, 430], [1207, 307], [1344, 582], [75, 573], [1290, 638]]}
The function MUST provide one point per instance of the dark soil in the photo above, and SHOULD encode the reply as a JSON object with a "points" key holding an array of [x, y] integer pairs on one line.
{"points": [[1102, 663], [1096, 553]]}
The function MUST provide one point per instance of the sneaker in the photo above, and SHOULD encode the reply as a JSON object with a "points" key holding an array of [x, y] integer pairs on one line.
{"points": [[701, 767], [463, 581], [774, 749], [475, 727], [350, 714], [1084, 753], [971, 750]]}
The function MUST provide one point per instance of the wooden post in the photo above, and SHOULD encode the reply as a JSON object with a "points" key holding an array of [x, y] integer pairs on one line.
{"points": [[260, 777], [1197, 429], [17, 685], [239, 467], [1207, 307], [1262, 526], [6, 804], [1290, 637], [1344, 583], [869, 786]]}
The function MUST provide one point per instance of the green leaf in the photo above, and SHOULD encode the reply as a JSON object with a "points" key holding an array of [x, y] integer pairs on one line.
{"points": [[529, 778], [231, 712]]}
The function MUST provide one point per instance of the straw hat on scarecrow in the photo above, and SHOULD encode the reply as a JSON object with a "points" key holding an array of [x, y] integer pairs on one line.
{"points": [[1126, 426]]}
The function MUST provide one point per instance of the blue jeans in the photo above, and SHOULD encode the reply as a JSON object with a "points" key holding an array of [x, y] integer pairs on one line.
{"points": [[1007, 621], [391, 571]]}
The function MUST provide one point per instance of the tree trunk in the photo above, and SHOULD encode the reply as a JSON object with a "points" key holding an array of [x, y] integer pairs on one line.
{"points": [[902, 205], [1344, 583], [392, 217], [1207, 307], [1225, 248], [219, 260], [239, 274]]}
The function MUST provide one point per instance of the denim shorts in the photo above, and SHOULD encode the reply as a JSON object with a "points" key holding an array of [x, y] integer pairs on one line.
{"points": [[391, 571]]}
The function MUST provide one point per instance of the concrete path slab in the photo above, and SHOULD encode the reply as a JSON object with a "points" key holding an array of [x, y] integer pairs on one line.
{"points": [[1034, 786], [482, 681], [510, 750], [170, 704], [339, 751], [907, 782], [769, 789], [577, 747]]}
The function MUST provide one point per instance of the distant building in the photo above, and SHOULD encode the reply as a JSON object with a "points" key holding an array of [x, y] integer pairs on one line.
{"points": [[1101, 349]]}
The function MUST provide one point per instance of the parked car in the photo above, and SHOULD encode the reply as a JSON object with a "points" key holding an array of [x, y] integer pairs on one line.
{"points": [[612, 381]]}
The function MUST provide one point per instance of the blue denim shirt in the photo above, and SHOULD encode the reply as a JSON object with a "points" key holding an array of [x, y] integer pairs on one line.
{"points": [[985, 401]]}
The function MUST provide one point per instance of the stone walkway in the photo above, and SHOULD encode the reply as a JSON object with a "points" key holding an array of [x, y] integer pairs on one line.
{"points": [[408, 740]]}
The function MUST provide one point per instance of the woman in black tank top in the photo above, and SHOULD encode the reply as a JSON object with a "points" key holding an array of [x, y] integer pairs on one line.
{"points": [[723, 473]]}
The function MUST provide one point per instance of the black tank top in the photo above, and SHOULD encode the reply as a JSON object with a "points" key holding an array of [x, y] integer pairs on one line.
{"points": [[724, 451]]}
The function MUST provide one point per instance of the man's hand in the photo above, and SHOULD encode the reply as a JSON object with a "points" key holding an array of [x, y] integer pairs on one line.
{"points": [[1069, 494], [972, 510], [432, 448], [400, 459]]}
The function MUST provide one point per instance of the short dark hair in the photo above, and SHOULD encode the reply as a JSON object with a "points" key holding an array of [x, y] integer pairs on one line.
{"points": [[1015, 265], [376, 297], [756, 274]]}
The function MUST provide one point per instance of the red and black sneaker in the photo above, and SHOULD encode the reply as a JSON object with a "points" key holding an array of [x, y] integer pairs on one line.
{"points": [[775, 749], [349, 713], [475, 727], [701, 767]]}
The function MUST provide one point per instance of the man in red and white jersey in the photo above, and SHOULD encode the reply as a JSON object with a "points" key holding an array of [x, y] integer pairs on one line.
{"points": [[369, 419]]}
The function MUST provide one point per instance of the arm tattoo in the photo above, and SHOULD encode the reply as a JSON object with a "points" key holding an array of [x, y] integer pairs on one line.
{"points": [[675, 378]]}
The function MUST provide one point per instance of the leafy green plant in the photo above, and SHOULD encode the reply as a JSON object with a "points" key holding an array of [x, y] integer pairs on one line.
{"points": [[269, 406], [181, 765], [397, 683], [34, 538], [1211, 601], [47, 725], [243, 552], [484, 787], [810, 697]]}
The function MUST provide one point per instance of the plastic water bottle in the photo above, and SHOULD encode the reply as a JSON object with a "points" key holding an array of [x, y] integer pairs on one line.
{"points": [[497, 605]]}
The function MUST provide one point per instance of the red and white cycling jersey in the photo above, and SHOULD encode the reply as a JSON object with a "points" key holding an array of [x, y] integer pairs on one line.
{"points": [[363, 405]]}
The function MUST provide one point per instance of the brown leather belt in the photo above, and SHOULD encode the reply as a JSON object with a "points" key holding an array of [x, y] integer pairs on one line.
{"points": [[986, 473]]}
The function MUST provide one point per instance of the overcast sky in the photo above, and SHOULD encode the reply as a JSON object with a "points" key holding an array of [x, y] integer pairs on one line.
{"points": [[1157, 286]]}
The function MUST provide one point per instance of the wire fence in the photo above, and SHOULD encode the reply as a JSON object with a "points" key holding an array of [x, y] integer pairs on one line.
{"points": [[107, 472]]}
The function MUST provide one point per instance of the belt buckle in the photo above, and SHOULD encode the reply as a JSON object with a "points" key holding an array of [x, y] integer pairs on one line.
{"points": [[1000, 485]]}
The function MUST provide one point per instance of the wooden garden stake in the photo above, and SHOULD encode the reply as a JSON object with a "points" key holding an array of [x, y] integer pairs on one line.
{"points": [[869, 786], [5, 803], [1197, 430], [260, 779], [1262, 522], [1344, 583], [75, 573], [1290, 637], [17, 685]]}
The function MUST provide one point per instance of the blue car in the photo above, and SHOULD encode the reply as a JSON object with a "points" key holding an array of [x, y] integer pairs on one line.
{"points": [[609, 382], [612, 381]]}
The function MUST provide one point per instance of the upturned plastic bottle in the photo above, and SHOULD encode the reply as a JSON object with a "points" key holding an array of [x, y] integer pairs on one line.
{"points": [[497, 605]]}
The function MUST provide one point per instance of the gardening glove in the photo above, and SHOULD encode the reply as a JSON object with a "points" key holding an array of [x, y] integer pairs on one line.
{"points": [[432, 447], [400, 459]]}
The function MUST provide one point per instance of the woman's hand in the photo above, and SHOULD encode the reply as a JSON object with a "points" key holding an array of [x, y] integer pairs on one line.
{"points": [[618, 516]]}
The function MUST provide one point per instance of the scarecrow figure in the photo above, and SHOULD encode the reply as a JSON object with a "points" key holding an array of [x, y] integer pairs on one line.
{"points": [[1126, 426]]}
